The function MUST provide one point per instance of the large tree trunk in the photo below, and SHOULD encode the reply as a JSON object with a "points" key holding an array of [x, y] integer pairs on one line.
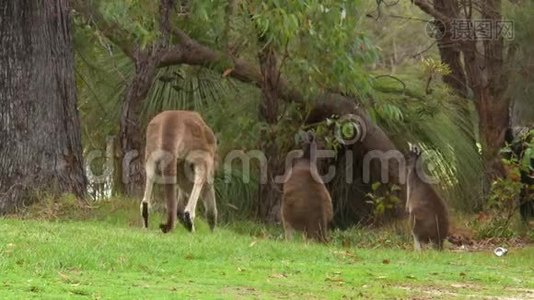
{"points": [[131, 131], [40, 148]]}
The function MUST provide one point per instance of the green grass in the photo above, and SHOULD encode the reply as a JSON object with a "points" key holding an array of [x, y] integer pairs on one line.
{"points": [[107, 256]]}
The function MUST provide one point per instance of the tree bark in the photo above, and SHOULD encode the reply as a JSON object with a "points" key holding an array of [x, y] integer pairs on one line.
{"points": [[449, 49], [493, 106], [40, 148], [493, 122], [131, 130], [270, 192]]}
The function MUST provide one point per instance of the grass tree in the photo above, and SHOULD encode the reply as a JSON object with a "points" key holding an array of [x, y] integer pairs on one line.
{"points": [[280, 27], [292, 53]]}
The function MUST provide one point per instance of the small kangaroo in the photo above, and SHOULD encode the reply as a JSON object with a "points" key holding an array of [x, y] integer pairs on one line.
{"points": [[306, 203], [184, 148], [429, 220]]}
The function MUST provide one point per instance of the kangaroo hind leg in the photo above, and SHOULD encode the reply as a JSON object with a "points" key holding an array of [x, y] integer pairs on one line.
{"points": [[210, 205], [199, 180], [169, 181], [150, 168]]}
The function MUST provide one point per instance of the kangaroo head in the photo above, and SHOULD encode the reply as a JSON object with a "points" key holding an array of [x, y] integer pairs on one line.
{"points": [[412, 156], [309, 146]]}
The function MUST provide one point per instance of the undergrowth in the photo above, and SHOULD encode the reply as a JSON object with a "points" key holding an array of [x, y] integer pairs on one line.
{"points": [[123, 211]]}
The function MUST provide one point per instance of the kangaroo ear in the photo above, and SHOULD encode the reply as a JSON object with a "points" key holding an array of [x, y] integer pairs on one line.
{"points": [[417, 150], [414, 149]]}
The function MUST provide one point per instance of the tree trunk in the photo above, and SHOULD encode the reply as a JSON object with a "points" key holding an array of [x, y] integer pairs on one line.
{"points": [[493, 122], [492, 105], [270, 191], [449, 49], [131, 131], [39, 124], [484, 74]]}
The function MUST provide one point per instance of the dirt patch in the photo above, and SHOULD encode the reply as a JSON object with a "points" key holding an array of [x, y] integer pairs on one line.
{"points": [[241, 292], [490, 244], [474, 292]]}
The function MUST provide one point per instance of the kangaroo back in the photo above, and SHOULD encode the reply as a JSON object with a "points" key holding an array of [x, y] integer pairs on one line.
{"points": [[306, 203]]}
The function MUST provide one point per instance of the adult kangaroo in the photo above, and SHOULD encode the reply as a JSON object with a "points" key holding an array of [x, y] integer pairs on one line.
{"points": [[429, 218], [306, 203], [180, 153]]}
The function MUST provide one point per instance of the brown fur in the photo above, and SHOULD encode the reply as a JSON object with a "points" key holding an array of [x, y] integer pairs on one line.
{"points": [[184, 149], [306, 203], [429, 218]]}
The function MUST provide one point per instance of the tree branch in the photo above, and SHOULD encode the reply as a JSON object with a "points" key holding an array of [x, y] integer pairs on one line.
{"points": [[165, 9], [111, 30], [429, 9], [191, 52], [187, 51]]}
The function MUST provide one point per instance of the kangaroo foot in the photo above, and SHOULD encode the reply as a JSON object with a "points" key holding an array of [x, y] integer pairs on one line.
{"points": [[187, 221], [144, 213], [165, 227]]}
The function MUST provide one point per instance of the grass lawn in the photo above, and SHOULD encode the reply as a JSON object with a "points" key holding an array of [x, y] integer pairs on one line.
{"points": [[109, 259]]}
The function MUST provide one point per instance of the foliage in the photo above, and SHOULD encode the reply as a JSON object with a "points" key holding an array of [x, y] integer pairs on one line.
{"points": [[440, 122], [433, 67], [502, 205], [399, 32], [524, 163], [102, 75], [383, 198], [321, 39], [504, 198], [320, 46], [235, 195], [413, 109], [501, 210], [189, 88], [521, 64]]}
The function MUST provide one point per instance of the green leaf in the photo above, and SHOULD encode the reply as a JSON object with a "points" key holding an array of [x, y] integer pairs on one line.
{"points": [[375, 186]]}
